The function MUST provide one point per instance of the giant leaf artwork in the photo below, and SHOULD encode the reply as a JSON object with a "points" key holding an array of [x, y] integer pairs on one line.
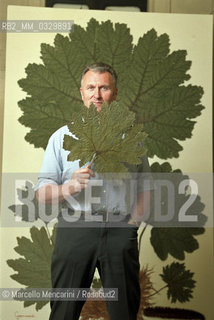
{"points": [[179, 281], [151, 84], [174, 236], [112, 143], [33, 269]]}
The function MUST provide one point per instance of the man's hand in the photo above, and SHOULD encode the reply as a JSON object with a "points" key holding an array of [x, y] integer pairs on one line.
{"points": [[134, 222], [78, 181], [140, 208], [52, 193]]}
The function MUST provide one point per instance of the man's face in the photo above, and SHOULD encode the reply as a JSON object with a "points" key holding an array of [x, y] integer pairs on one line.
{"points": [[97, 88]]}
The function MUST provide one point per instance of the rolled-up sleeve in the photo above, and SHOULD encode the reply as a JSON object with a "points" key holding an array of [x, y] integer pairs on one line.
{"points": [[51, 170]]}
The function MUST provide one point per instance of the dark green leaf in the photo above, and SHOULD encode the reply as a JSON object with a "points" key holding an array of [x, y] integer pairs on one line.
{"points": [[151, 83], [179, 281], [170, 234], [174, 241], [33, 269], [114, 142]]}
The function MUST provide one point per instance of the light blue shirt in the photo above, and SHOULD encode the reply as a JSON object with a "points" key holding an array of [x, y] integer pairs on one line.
{"points": [[101, 194]]}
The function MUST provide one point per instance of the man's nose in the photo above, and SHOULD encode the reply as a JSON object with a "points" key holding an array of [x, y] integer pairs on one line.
{"points": [[97, 92]]}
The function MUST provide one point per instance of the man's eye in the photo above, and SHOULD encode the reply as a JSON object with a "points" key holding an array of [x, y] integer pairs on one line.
{"points": [[105, 88]]}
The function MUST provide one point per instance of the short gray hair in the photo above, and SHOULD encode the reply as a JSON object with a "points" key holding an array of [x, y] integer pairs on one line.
{"points": [[100, 67]]}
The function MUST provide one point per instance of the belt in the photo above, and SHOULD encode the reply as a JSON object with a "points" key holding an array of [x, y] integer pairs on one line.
{"points": [[110, 216], [105, 216]]}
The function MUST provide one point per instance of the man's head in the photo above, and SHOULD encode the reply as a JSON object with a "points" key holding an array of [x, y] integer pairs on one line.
{"points": [[98, 85]]}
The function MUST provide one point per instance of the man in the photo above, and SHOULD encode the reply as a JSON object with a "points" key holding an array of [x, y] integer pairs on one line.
{"points": [[79, 251]]}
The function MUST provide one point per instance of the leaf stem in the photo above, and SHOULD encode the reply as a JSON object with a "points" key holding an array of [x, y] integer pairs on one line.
{"points": [[157, 291], [48, 233], [93, 158], [142, 232]]}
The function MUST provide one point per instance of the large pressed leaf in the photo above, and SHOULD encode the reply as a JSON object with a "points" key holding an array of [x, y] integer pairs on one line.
{"points": [[113, 142], [179, 281], [158, 97], [174, 241], [150, 81], [33, 269], [174, 235]]}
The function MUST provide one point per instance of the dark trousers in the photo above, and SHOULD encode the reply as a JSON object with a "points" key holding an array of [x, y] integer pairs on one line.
{"points": [[113, 250]]}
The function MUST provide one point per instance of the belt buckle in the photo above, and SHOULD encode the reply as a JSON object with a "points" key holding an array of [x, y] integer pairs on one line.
{"points": [[103, 214]]}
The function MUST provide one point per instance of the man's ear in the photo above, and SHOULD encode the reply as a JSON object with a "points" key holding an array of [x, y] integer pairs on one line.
{"points": [[115, 94], [81, 92]]}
